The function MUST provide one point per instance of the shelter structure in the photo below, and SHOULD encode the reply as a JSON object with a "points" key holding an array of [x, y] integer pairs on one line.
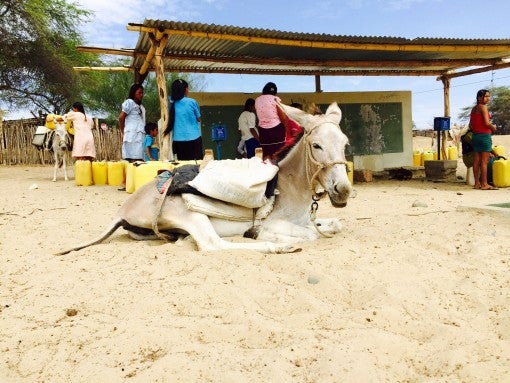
{"points": [[172, 46]]}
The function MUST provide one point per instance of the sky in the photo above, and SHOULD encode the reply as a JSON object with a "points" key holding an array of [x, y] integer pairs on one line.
{"points": [[466, 19]]}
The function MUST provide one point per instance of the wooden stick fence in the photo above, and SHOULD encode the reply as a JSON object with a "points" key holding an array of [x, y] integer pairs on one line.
{"points": [[16, 146]]}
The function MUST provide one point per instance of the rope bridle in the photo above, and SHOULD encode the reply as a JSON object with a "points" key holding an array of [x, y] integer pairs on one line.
{"points": [[313, 178]]}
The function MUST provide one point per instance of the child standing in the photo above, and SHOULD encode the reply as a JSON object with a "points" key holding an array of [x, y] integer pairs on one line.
{"points": [[151, 150]]}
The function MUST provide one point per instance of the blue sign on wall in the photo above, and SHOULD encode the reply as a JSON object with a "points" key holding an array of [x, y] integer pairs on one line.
{"points": [[441, 123], [219, 133]]}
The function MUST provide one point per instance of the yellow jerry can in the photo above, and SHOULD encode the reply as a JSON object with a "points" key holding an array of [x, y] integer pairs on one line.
{"points": [[115, 173], [99, 173], [499, 150], [83, 173], [147, 171], [501, 173], [417, 161], [453, 153]]}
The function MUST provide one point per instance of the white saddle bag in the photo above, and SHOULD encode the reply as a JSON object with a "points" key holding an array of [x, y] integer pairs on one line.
{"points": [[241, 182]]}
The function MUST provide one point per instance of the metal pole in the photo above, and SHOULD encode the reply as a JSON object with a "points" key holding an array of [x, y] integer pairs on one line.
{"points": [[439, 132]]}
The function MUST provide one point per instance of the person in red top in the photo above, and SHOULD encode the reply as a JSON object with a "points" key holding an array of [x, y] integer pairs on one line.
{"points": [[482, 129]]}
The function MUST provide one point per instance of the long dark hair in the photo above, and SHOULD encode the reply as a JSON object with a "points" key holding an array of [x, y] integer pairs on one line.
{"points": [[249, 103], [133, 90], [178, 90], [79, 106], [270, 88], [481, 94]]}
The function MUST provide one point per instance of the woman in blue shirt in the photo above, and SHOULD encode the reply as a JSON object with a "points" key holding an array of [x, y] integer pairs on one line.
{"points": [[184, 122]]}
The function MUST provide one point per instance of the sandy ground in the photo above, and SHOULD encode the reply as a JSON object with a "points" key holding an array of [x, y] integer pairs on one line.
{"points": [[415, 289]]}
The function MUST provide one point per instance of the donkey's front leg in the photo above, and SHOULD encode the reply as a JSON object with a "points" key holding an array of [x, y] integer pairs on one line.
{"points": [[64, 155], [55, 170]]}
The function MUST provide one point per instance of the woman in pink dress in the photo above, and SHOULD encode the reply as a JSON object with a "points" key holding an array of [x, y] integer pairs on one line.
{"points": [[83, 146]]}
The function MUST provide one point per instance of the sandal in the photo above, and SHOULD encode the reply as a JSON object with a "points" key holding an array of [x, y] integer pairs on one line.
{"points": [[490, 188]]}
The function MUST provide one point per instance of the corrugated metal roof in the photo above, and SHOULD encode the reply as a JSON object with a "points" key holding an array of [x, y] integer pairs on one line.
{"points": [[210, 48]]}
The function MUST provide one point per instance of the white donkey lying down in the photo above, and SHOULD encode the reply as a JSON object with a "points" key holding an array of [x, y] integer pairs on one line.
{"points": [[316, 161]]}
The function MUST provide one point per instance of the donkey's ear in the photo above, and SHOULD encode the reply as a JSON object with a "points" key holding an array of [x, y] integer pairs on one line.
{"points": [[302, 118], [334, 113]]}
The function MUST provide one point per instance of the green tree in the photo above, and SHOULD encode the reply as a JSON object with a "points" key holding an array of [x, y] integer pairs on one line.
{"points": [[105, 92], [38, 40], [499, 107]]}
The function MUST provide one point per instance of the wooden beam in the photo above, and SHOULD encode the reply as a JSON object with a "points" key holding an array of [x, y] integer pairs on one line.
{"points": [[298, 72], [150, 54], [450, 64], [106, 51], [474, 71], [401, 47], [102, 69]]}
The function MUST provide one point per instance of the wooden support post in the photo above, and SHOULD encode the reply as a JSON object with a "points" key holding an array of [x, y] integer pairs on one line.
{"points": [[446, 93], [318, 84], [166, 152]]}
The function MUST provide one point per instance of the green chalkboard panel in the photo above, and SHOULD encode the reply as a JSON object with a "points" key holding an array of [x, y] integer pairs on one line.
{"points": [[372, 128]]}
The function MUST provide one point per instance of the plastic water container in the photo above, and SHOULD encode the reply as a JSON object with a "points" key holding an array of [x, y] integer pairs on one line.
{"points": [[83, 173], [350, 174], [453, 153], [147, 171], [499, 150], [427, 156], [130, 177], [501, 173], [417, 161], [115, 173], [99, 173]]}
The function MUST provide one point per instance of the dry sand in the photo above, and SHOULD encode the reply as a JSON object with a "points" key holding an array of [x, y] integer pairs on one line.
{"points": [[415, 289]]}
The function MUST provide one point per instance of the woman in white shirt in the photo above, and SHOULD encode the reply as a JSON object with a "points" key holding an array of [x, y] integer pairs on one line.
{"points": [[248, 128]]}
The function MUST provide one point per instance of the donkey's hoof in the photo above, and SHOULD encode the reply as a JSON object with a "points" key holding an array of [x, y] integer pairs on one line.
{"points": [[285, 249]]}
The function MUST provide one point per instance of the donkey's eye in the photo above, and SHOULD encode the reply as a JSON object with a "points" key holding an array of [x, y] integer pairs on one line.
{"points": [[316, 146]]}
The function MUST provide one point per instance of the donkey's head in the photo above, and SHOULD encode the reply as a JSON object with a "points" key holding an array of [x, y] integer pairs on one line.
{"points": [[324, 144], [61, 139]]}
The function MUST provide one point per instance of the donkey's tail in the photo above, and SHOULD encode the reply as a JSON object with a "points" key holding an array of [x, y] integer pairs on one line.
{"points": [[109, 231]]}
